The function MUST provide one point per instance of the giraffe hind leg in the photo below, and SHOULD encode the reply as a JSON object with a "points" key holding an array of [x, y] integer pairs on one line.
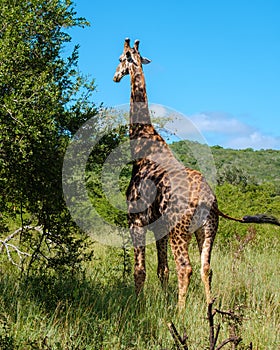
{"points": [[205, 238], [179, 244]]}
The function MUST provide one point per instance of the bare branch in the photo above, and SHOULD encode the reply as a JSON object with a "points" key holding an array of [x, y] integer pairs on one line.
{"points": [[235, 340], [23, 228], [177, 338], [11, 247], [11, 114], [20, 254], [210, 316]]}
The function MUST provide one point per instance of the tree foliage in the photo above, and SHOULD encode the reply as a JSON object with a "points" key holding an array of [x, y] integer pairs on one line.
{"points": [[43, 101]]}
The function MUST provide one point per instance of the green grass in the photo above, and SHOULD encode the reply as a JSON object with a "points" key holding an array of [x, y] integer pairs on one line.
{"points": [[99, 310]]}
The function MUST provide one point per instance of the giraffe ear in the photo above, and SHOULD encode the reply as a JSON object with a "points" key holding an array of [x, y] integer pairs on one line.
{"points": [[145, 60]]}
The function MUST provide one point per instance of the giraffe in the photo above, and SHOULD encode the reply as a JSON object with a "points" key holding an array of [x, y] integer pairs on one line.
{"points": [[164, 196]]}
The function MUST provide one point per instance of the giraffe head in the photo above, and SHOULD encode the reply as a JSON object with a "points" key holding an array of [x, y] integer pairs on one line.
{"points": [[130, 60]]}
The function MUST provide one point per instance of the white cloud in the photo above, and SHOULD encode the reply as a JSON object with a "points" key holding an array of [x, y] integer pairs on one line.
{"points": [[215, 128], [225, 130], [219, 122], [256, 140]]}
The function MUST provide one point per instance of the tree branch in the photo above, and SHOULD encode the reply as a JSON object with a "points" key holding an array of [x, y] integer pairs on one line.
{"points": [[8, 246], [177, 338], [235, 340]]}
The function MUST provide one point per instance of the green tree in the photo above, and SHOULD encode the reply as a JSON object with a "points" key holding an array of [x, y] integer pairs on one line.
{"points": [[43, 101], [233, 175]]}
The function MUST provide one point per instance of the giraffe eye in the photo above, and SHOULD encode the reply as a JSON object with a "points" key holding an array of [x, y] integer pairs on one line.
{"points": [[130, 59]]}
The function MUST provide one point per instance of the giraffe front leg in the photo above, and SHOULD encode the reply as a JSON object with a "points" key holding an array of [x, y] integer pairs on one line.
{"points": [[163, 269], [139, 268], [138, 235]]}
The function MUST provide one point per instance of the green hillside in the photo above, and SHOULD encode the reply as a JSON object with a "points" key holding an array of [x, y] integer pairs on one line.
{"points": [[257, 166]]}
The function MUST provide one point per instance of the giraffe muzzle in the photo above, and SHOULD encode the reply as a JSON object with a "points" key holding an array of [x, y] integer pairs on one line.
{"points": [[116, 78]]}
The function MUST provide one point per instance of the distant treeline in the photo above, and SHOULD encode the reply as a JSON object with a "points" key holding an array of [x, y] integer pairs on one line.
{"points": [[251, 166]]}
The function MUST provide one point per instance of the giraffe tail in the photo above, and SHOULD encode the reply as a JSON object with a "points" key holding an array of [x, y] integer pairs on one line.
{"points": [[261, 219], [257, 219]]}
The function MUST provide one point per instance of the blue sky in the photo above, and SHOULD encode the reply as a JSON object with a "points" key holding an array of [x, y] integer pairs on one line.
{"points": [[217, 62]]}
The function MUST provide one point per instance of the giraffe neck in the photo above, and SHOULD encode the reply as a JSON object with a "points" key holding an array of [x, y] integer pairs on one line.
{"points": [[145, 140], [139, 111]]}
